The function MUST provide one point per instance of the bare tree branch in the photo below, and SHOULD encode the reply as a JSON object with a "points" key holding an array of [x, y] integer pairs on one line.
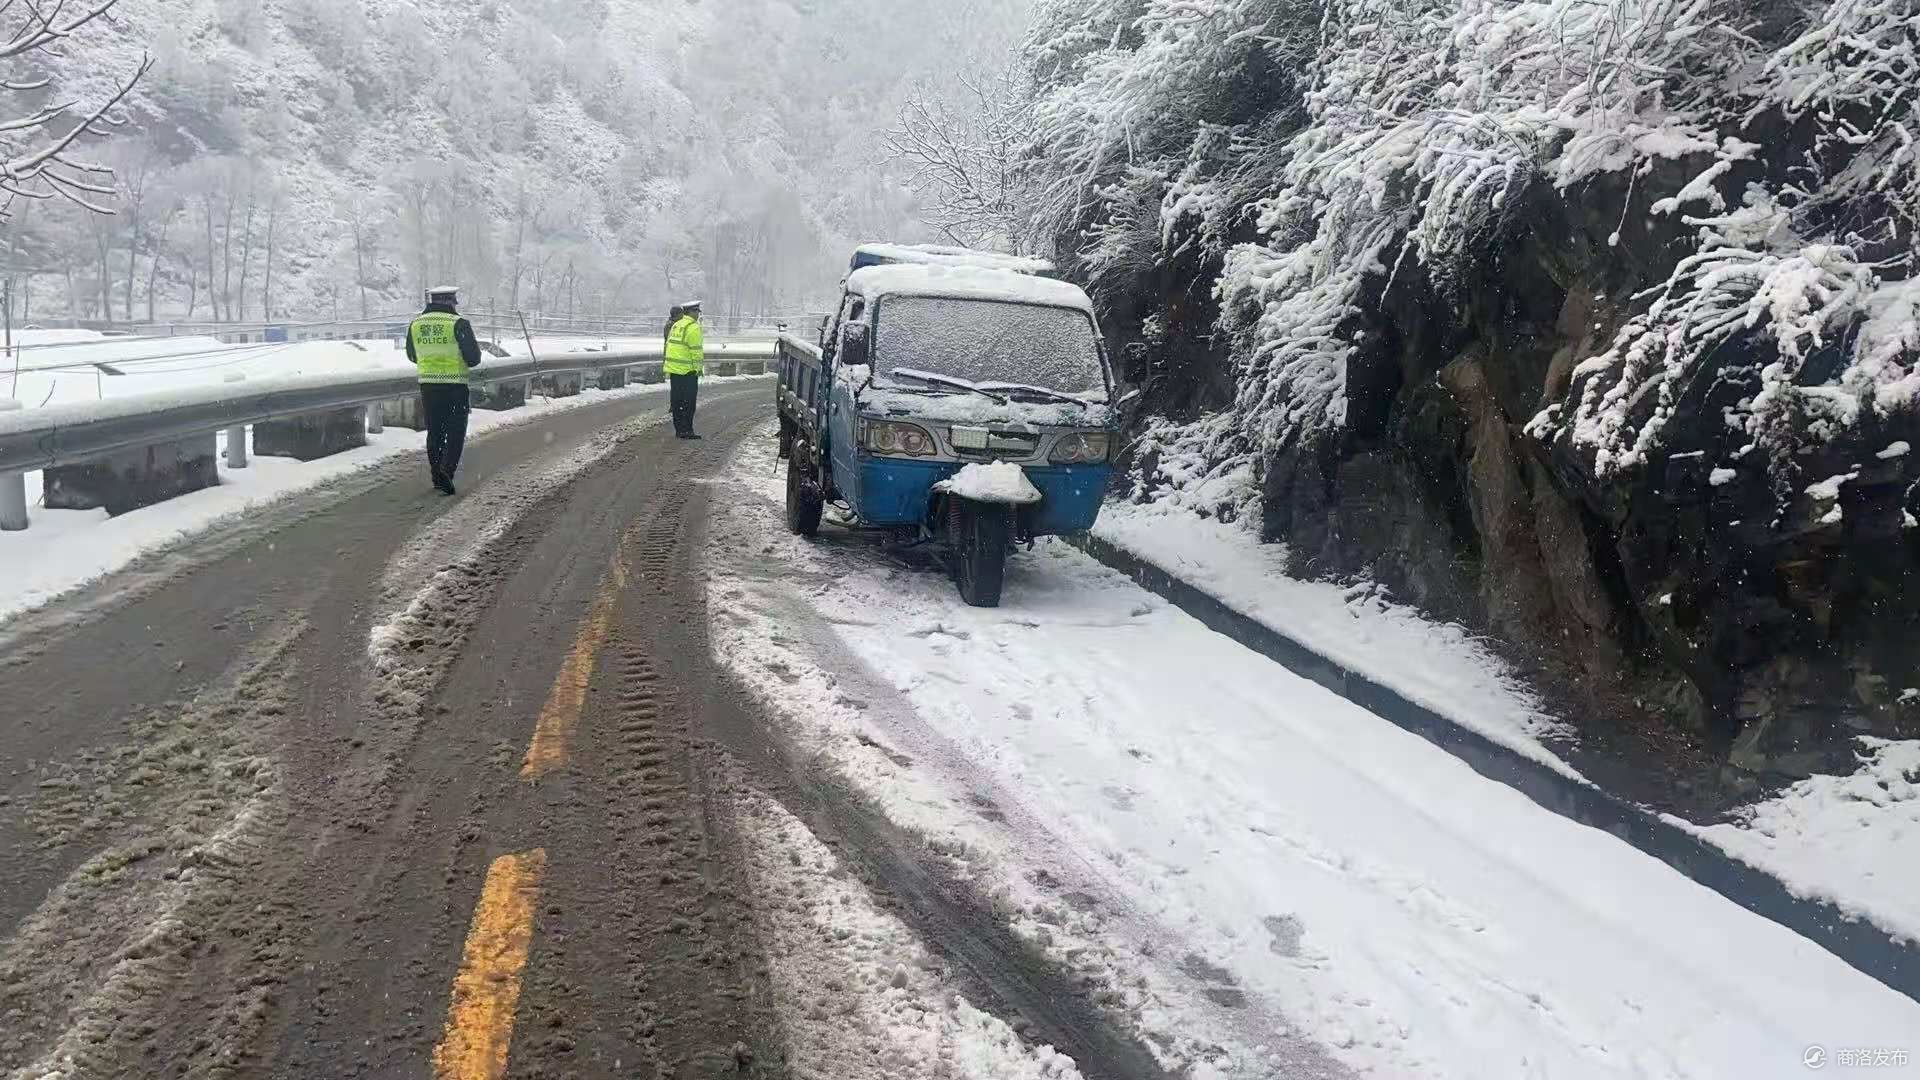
{"points": [[25, 166], [50, 165], [968, 160], [41, 30], [35, 120]]}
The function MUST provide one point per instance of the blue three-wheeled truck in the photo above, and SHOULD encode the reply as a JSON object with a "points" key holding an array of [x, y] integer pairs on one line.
{"points": [[955, 396]]}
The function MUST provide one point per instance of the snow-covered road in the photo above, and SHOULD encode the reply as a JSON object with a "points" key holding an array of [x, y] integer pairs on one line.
{"points": [[1260, 877]]}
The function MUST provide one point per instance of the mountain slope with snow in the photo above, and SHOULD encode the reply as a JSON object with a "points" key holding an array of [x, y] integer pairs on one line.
{"points": [[1590, 326], [571, 156]]}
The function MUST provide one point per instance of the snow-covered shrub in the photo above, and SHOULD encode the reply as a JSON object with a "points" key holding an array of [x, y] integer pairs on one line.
{"points": [[1181, 465], [1414, 133], [1429, 121], [1854, 73], [1795, 304], [1789, 274], [1141, 92], [1886, 358]]}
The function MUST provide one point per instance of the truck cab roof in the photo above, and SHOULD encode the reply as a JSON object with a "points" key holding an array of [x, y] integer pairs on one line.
{"points": [[966, 282], [868, 255]]}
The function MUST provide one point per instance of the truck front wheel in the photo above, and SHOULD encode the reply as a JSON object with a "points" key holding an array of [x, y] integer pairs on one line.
{"points": [[981, 534], [803, 497]]}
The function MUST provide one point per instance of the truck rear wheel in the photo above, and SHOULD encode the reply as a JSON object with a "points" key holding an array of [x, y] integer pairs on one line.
{"points": [[803, 497], [981, 535]]}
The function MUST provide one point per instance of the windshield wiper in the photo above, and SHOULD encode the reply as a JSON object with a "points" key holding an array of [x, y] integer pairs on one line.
{"points": [[1023, 388], [946, 380]]}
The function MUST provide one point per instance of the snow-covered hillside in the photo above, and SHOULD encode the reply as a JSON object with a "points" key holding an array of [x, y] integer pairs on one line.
{"points": [[330, 157], [1592, 325]]}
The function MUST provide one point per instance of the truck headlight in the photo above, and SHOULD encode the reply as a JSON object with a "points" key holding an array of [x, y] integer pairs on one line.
{"points": [[895, 439], [1082, 448]]}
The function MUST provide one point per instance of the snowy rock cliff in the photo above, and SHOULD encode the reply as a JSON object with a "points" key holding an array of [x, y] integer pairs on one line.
{"points": [[1589, 325]]}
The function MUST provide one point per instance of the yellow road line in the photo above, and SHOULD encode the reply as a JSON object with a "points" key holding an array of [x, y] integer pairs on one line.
{"points": [[487, 990], [548, 751]]}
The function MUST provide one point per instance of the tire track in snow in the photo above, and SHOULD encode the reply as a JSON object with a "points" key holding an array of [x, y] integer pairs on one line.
{"points": [[1061, 993], [187, 809], [1119, 960], [862, 997]]}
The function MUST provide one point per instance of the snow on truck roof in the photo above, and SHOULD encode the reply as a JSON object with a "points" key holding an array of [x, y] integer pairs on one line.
{"points": [[932, 254], [967, 283]]}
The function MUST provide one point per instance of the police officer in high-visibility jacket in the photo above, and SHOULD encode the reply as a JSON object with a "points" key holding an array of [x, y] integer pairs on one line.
{"points": [[442, 345], [686, 359]]}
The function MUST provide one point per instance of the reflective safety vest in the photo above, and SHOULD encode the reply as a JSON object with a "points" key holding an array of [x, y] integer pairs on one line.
{"points": [[686, 347], [435, 350]]}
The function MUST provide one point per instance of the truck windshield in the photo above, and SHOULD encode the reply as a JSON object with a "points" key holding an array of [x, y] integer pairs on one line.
{"points": [[990, 341]]}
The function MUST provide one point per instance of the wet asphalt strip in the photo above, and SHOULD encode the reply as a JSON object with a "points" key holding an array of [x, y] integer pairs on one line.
{"points": [[1866, 947], [238, 655]]}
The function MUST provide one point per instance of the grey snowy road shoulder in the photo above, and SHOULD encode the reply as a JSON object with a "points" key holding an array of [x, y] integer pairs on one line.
{"points": [[1258, 877]]}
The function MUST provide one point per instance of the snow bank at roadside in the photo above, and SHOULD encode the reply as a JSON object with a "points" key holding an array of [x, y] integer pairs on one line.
{"points": [[1438, 665], [1853, 841], [64, 549], [1829, 838]]}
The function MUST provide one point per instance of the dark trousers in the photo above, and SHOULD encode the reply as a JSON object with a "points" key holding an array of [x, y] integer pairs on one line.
{"points": [[686, 399], [446, 407]]}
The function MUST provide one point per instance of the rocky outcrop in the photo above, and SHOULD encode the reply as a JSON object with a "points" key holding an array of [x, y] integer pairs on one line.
{"points": [[1737, 615], [1593, 328]]}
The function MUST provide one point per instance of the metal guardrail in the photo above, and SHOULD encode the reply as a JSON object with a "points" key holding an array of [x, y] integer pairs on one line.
{"points": [[502, 322], [73, 434]]}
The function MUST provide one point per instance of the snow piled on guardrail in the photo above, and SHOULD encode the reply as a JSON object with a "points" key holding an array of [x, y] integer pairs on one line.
{"points": [[134, 368], [65, 549]]}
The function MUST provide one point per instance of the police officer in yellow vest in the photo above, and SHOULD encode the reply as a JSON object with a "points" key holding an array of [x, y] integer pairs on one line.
{"points": [[442, 345], [686, 359]]}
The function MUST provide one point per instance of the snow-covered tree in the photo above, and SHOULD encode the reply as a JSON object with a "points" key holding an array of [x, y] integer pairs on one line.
{"points": [[625, 106], [1306, 154], [966, 154], [41, 141]]}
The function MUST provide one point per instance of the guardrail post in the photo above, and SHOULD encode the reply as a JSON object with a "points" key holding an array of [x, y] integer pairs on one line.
{"points": [[310, 436], [13, 502], [376, 418], [406, 412], [501, 396], [236, 435], [13, 487]]}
